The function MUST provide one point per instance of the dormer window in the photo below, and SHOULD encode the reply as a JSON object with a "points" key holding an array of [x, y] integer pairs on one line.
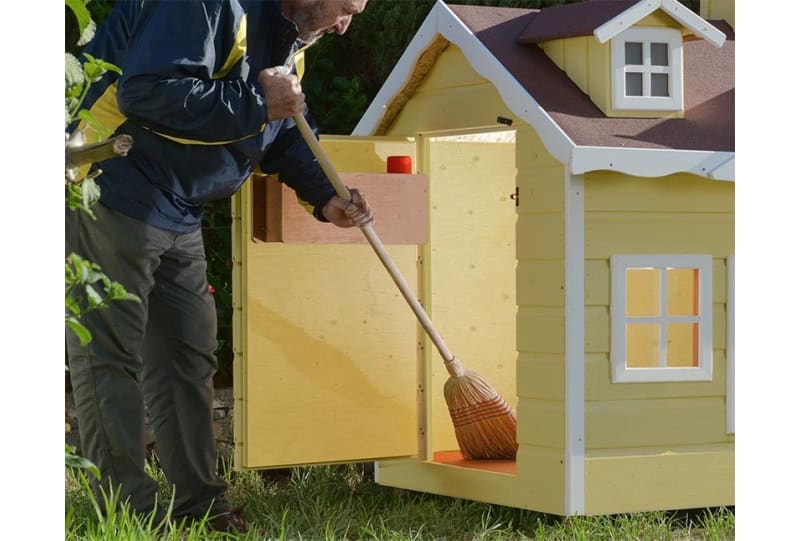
{"points": [[648, 69]]}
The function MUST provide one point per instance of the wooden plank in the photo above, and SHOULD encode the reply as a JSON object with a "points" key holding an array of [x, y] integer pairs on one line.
{"points": [[398, 202], [541, 476], [555, 50], [599, 55], [541, 283], [541, 189], [597, 336], [599, 387], [535, 490], [636, 233], [541, 423], [366, 154], [608, 191], [531, 152], [651, 422], [576, 61], [457, 108], [541, 376], [540, 329], [670, 480], [540, 236]]}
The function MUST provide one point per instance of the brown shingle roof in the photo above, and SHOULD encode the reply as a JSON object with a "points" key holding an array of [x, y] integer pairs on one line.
{"points": [[708, 123], [572, 20]]}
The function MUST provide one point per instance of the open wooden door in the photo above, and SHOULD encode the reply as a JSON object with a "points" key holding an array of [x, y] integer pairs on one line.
{"points": [[325, 347]]}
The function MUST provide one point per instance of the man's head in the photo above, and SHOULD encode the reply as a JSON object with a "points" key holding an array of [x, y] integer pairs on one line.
{"points": [[315, 18]]}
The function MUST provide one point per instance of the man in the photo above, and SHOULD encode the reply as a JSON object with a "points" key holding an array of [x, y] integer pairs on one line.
{"points": [[205, 106]]}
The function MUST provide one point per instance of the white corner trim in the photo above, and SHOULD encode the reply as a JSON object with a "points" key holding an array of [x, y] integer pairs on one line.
{"points": [[653, 162], [673, 8], [399, 76], [575, 453], [442, 20], [730, 347]]}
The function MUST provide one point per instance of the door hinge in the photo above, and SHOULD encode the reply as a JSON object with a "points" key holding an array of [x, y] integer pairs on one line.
{"points": [[515, 196]]}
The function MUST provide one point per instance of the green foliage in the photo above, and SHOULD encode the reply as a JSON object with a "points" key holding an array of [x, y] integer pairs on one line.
{"points": [[75, 461], [81, 279]]}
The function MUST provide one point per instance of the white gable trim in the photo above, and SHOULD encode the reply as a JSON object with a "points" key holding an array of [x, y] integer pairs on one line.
{"points": [[653, 162], [443, 21], [699, 26]]}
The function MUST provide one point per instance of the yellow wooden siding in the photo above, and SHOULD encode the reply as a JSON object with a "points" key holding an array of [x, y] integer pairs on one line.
{"points": [[540, 375], [473, 288], [453, 96], [576, 60], [655, 421], [687, 479], [599, 74], [541, 423], [719, 9], [678, 214], [302, 376], [658, 19]]}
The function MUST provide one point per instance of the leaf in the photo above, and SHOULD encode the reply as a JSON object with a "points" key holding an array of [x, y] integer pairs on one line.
{"points": [[92, 296], [75, 461], [88, 117], [82, 14], [82, 332]]}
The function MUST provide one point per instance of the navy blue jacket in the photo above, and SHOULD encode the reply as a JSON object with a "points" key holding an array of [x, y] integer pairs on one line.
{"points": [[188, 95]]}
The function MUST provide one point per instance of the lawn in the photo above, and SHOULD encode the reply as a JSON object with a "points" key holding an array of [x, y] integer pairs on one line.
{"points": [[342, 502]]}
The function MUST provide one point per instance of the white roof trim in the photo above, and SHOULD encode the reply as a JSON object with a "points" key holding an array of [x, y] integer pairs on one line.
{"points": [[518, 100], [673, 8], [581, 159], [653, 162]]}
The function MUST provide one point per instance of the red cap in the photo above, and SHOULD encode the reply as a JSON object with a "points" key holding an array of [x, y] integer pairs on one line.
{"points": [[398, 164]]}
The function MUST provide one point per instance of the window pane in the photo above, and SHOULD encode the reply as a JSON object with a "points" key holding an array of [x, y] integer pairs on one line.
{"points": [[682, 344], [659, 84], [643, 292], [633, 53], [633, 84], [643, 345], [682, 292], [658, 54]]}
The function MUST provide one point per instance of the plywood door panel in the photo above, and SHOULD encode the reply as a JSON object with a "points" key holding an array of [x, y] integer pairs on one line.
{"points": [[472, 266], [326, 348]]}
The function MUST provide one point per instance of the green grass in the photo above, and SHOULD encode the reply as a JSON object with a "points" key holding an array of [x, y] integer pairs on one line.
{"points": [[342, 502]]}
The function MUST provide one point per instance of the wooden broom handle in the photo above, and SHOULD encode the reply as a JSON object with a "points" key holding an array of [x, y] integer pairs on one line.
{"points": [[373, 239]]}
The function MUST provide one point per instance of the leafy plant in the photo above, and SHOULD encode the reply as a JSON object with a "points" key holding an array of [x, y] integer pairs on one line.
{"points": [[82, 277]]}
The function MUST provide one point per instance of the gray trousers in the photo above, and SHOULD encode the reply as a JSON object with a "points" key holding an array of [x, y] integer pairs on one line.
{"points": [[159, 352]]}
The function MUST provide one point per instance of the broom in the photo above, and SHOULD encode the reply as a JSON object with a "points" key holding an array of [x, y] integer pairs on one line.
{"points": [[485, 425]]}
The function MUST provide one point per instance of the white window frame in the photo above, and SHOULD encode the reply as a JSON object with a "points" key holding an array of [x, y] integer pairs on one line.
{"points": [[729, 349], [620, 372], [644, 35]]}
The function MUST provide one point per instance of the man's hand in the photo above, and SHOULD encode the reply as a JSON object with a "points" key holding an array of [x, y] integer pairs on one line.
{"points": [[354, 213], [282, 92]]}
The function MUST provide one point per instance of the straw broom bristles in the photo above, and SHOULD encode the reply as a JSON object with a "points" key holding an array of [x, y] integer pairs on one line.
{"points": [[485, 425]]}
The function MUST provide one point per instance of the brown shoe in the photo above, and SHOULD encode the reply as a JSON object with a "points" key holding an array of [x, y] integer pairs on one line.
{"points": [[230, 522]]}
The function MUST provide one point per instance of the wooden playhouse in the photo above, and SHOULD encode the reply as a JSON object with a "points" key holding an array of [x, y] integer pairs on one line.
{"points": [[570, 230]]}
